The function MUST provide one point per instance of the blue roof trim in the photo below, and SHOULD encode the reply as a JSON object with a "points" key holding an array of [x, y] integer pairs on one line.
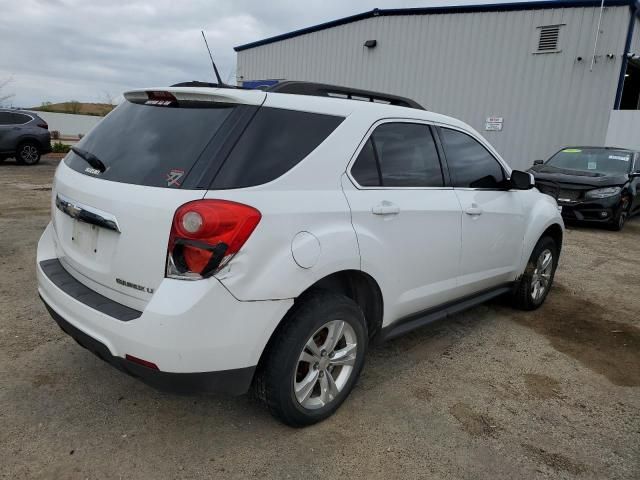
{"points": [[494, 7]]}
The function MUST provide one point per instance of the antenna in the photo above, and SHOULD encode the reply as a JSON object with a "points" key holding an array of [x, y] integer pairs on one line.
{"points": [[215, 70]]}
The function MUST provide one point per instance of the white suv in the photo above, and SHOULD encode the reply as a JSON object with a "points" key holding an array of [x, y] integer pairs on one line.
{"points": [[214, 239]]}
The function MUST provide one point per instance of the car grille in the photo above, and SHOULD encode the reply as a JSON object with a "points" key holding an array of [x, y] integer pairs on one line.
{"points": [[560, 193]]}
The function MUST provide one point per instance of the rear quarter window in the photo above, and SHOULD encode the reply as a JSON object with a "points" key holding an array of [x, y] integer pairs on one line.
{"points": [[275, 141]]}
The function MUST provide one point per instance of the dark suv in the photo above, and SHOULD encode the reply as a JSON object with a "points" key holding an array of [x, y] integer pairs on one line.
{"points": [[23, 135]]}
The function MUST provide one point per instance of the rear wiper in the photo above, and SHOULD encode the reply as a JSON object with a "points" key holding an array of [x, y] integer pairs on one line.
{"points": [[91, 159]]}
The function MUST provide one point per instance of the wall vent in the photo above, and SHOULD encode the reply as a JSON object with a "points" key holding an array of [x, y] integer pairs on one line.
{"points": [[548, 40]]}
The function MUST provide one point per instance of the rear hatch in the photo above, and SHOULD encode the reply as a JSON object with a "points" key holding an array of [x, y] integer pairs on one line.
{"points": [[159, 149]]}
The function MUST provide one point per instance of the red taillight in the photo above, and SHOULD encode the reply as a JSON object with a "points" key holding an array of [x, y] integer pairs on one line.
{"points": [[206, 234], [43, 125]]}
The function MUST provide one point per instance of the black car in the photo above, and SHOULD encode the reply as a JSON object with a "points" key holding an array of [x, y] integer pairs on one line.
{"points": [[592, 184], [23, 135]]}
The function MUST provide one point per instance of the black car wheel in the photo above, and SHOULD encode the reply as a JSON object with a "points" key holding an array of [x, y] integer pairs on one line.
{"points": [[314, 360], [28, 153], [623, 214]]}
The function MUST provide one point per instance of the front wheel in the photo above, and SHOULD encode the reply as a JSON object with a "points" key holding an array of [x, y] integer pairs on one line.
{"points": [[28, 153], [535, 283], [315, 359], [621, 217]]}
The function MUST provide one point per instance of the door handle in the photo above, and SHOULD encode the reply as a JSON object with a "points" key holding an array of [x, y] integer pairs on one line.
{"points": [[473, 210], [385, 208]]}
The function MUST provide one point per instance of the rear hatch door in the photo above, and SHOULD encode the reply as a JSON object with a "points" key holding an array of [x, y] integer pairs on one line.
{"points": [[159, 151]]}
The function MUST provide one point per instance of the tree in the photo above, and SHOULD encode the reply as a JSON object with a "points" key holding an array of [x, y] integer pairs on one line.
{"points": [[4, 96], [73, 106], [108, 102]]}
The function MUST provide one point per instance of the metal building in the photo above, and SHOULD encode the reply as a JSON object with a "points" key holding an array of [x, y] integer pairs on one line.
{"points": [[524, 74]]}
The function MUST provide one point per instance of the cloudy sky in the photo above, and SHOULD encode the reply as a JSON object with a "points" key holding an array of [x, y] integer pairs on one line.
{"points": [[90, 50]]}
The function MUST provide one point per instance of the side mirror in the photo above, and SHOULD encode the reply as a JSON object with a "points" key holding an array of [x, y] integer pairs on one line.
{"points": [[538, 162], [522, 180]]}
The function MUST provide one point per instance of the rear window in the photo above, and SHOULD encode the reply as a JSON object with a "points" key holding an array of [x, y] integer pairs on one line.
{"points": [[150, 145], [275, 141], [159, 146]]}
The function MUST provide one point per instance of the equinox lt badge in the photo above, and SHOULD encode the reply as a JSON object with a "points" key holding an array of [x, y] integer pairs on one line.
{"points": [[124, 283]]}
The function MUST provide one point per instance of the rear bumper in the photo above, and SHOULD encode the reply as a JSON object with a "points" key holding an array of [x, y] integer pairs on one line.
{"points": [[233, 382], [200, 337]]}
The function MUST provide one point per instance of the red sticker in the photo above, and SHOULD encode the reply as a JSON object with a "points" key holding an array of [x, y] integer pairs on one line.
{"points": [[174, 176]]}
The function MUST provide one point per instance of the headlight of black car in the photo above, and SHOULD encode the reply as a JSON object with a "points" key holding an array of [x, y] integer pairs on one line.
{"points": [[603, 192]]}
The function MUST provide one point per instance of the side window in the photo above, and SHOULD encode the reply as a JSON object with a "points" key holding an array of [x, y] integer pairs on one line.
{"points": [[365, 169], [5, 118], [470, 164], [399, 155], [20, 118]]}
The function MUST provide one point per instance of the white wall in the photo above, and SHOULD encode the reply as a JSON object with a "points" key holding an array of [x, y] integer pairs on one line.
{"points": [[472, 66], [69, 124], [624, 129]]}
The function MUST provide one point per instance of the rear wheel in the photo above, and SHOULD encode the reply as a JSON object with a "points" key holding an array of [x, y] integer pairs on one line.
{"points": [[313, 363], [534, 285], [28, 153]]}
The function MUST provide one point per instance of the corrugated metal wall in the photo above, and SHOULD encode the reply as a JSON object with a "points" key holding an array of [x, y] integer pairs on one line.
{"points": [[624, 129], [471, 66]]}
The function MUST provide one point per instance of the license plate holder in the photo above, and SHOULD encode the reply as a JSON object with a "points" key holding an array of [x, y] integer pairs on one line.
{"points": [[84, 237]]}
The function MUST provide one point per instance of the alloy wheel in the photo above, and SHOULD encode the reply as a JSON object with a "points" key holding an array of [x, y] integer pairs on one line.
{"points": [[325, 364], [541, 278], [29, 154]]}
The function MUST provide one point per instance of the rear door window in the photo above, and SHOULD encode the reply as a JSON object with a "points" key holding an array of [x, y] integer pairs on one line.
{"points": [[365, 170], [274, 142], [20, 118], [5, 118], [151, 145], [399, 155]]}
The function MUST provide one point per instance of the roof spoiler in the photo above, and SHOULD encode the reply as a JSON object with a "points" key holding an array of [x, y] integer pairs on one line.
{"points": [[197, 83], [335, 91]]}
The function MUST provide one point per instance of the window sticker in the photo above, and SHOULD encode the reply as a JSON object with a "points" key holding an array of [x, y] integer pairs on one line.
{"points": [[619, 157], [592, 165], [572, 150]]}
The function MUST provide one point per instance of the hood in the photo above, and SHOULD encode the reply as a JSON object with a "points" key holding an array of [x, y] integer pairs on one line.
{"points": [[591, 179]]}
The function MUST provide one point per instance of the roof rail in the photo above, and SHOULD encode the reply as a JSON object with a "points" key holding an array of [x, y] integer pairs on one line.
{"points": [[334, 91]]}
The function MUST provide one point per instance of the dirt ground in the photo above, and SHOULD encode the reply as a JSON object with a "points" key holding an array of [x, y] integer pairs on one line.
{"points": [[492, 393]]}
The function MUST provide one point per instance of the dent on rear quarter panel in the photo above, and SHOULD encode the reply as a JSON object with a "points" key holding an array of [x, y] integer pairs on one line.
{"points": [[265, 269]]}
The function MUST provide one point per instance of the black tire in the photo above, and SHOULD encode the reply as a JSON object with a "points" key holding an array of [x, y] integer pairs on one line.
{"points": [[524, 297], [622, 216], [28, 153], [276, 374]]}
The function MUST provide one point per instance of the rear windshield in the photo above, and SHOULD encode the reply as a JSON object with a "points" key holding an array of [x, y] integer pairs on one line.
{"points": [[223, 147], [150, 145]]}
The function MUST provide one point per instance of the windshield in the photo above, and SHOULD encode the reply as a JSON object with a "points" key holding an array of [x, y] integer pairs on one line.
{"points": [[592, 160]]}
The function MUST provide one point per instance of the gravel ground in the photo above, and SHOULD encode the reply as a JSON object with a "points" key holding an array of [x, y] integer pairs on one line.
{"points": [[492, 393]]}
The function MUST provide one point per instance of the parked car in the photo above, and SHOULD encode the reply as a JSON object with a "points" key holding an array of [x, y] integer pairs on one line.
{"points": [[23, 135], [592, 184], [211, 239]]}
